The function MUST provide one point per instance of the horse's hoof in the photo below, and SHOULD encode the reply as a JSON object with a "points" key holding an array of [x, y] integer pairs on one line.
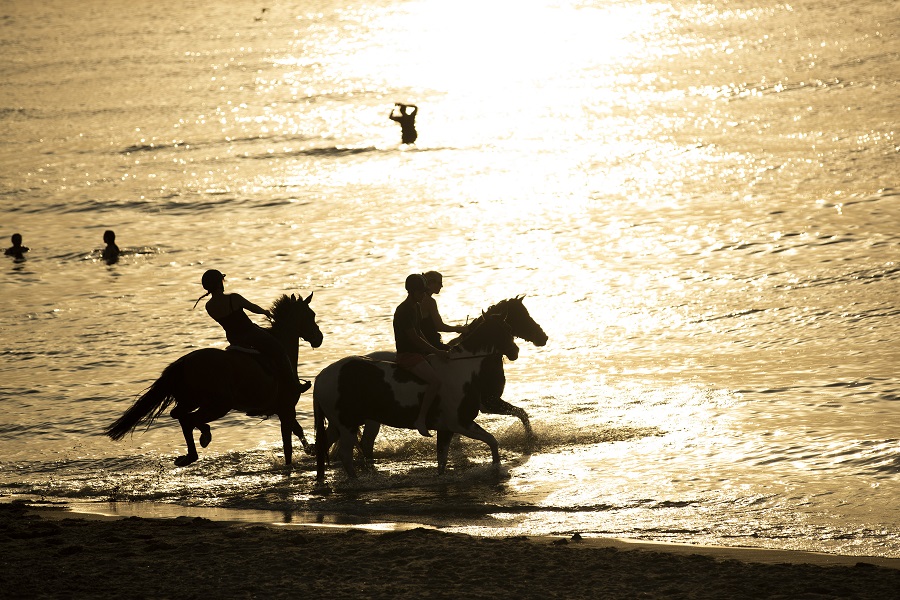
{"points": [[205, 437], [183, 461]]}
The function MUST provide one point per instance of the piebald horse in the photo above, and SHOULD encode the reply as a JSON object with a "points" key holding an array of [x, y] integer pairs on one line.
{"points": [[357, 389], [522, 325], [206, 384]]}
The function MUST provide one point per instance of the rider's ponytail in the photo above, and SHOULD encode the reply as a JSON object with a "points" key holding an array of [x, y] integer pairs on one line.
{"points": [[199, 299]]}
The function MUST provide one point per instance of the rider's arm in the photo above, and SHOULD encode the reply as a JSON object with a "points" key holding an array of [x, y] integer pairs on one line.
{"points": [[246, 304], [422, 344], [438, 321]]}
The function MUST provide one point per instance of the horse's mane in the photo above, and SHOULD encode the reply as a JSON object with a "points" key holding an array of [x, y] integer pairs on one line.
{"points": [[494, 309], [283, 308]]}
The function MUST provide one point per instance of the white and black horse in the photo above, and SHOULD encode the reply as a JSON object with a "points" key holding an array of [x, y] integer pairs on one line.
{"points": [[522, 325], [357, 389]]}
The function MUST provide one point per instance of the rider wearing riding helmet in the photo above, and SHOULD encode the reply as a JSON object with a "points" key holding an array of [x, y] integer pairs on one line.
{"points": [[412, 347], [228, 311]]}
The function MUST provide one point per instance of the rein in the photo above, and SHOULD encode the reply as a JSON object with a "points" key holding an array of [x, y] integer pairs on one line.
{"points": [[474, 356]]}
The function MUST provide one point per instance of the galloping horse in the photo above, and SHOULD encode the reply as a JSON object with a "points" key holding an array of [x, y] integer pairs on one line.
{"points": [[207, 383], [522, 326], [358, 389]]}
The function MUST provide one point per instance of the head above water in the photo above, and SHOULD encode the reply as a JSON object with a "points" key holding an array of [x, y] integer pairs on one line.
{"points": [[212, 280], [16, 239], [415, 283], [109, 236]]}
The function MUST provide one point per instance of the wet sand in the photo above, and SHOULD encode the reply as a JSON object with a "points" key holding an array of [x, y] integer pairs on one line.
{"points": [[50, 553]]}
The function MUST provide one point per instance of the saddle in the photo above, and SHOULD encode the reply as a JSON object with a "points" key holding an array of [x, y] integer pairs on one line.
{"points": [[251, 351], [235, 348]]}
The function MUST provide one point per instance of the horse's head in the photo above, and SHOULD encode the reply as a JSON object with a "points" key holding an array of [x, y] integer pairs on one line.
{"points": [[294, 314], [489, 336], [521, 323]]}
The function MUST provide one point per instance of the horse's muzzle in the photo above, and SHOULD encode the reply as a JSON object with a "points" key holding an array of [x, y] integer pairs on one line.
{"points": [[316, 340]]}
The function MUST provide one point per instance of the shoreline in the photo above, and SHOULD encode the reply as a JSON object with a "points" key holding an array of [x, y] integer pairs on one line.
{"points": [[53, 552], [93, 511]]}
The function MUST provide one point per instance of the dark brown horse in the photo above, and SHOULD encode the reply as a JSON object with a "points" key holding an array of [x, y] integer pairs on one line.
{"points": [[206, 384], [523, 326]]}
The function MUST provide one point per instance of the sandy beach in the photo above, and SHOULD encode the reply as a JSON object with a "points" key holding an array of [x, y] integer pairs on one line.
{"points": [[50, 553]]}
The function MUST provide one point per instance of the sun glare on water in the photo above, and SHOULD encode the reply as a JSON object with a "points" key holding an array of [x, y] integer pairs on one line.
{"points": [[528, 83], [498, 51], [486, 70]]}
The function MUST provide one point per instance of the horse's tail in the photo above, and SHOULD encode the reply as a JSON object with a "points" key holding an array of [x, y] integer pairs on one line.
{"points": [[150, 405]]}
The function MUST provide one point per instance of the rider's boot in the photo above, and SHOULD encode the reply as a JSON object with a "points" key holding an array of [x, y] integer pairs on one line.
{"points": [[290, 390]]}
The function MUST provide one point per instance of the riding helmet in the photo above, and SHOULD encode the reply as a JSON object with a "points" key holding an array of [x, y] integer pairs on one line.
{"points": [[416, 283], [212, 279]]}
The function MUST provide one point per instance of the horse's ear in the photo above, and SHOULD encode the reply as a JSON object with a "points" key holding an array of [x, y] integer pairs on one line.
{"points": [[309, 298]]}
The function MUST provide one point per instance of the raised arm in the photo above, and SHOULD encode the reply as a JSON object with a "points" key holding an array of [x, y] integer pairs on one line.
{"points": [[247, 305], [438, 320]]}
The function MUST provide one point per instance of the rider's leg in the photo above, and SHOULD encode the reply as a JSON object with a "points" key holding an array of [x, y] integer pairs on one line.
{"points": [[289, 387], [433, 385]]}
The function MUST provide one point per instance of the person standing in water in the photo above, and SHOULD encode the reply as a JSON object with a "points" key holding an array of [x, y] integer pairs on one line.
{"points": [[412, 348], [111, 252], [405, 114], [432, 323], [17, 250], [228, 311]]}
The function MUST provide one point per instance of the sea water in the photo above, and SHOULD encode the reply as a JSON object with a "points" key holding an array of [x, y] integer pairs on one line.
{"points": [[699, 201]]}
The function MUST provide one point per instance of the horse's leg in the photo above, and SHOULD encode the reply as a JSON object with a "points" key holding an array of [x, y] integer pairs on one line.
{"points": [[515, 411], [205, 434], [287, 420], [345, 451], [198, 419], [367, 442], [499, 406], [182, 411], [187, 428], [475, 431], [298, 431], [332, 434], [443, 447]]}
